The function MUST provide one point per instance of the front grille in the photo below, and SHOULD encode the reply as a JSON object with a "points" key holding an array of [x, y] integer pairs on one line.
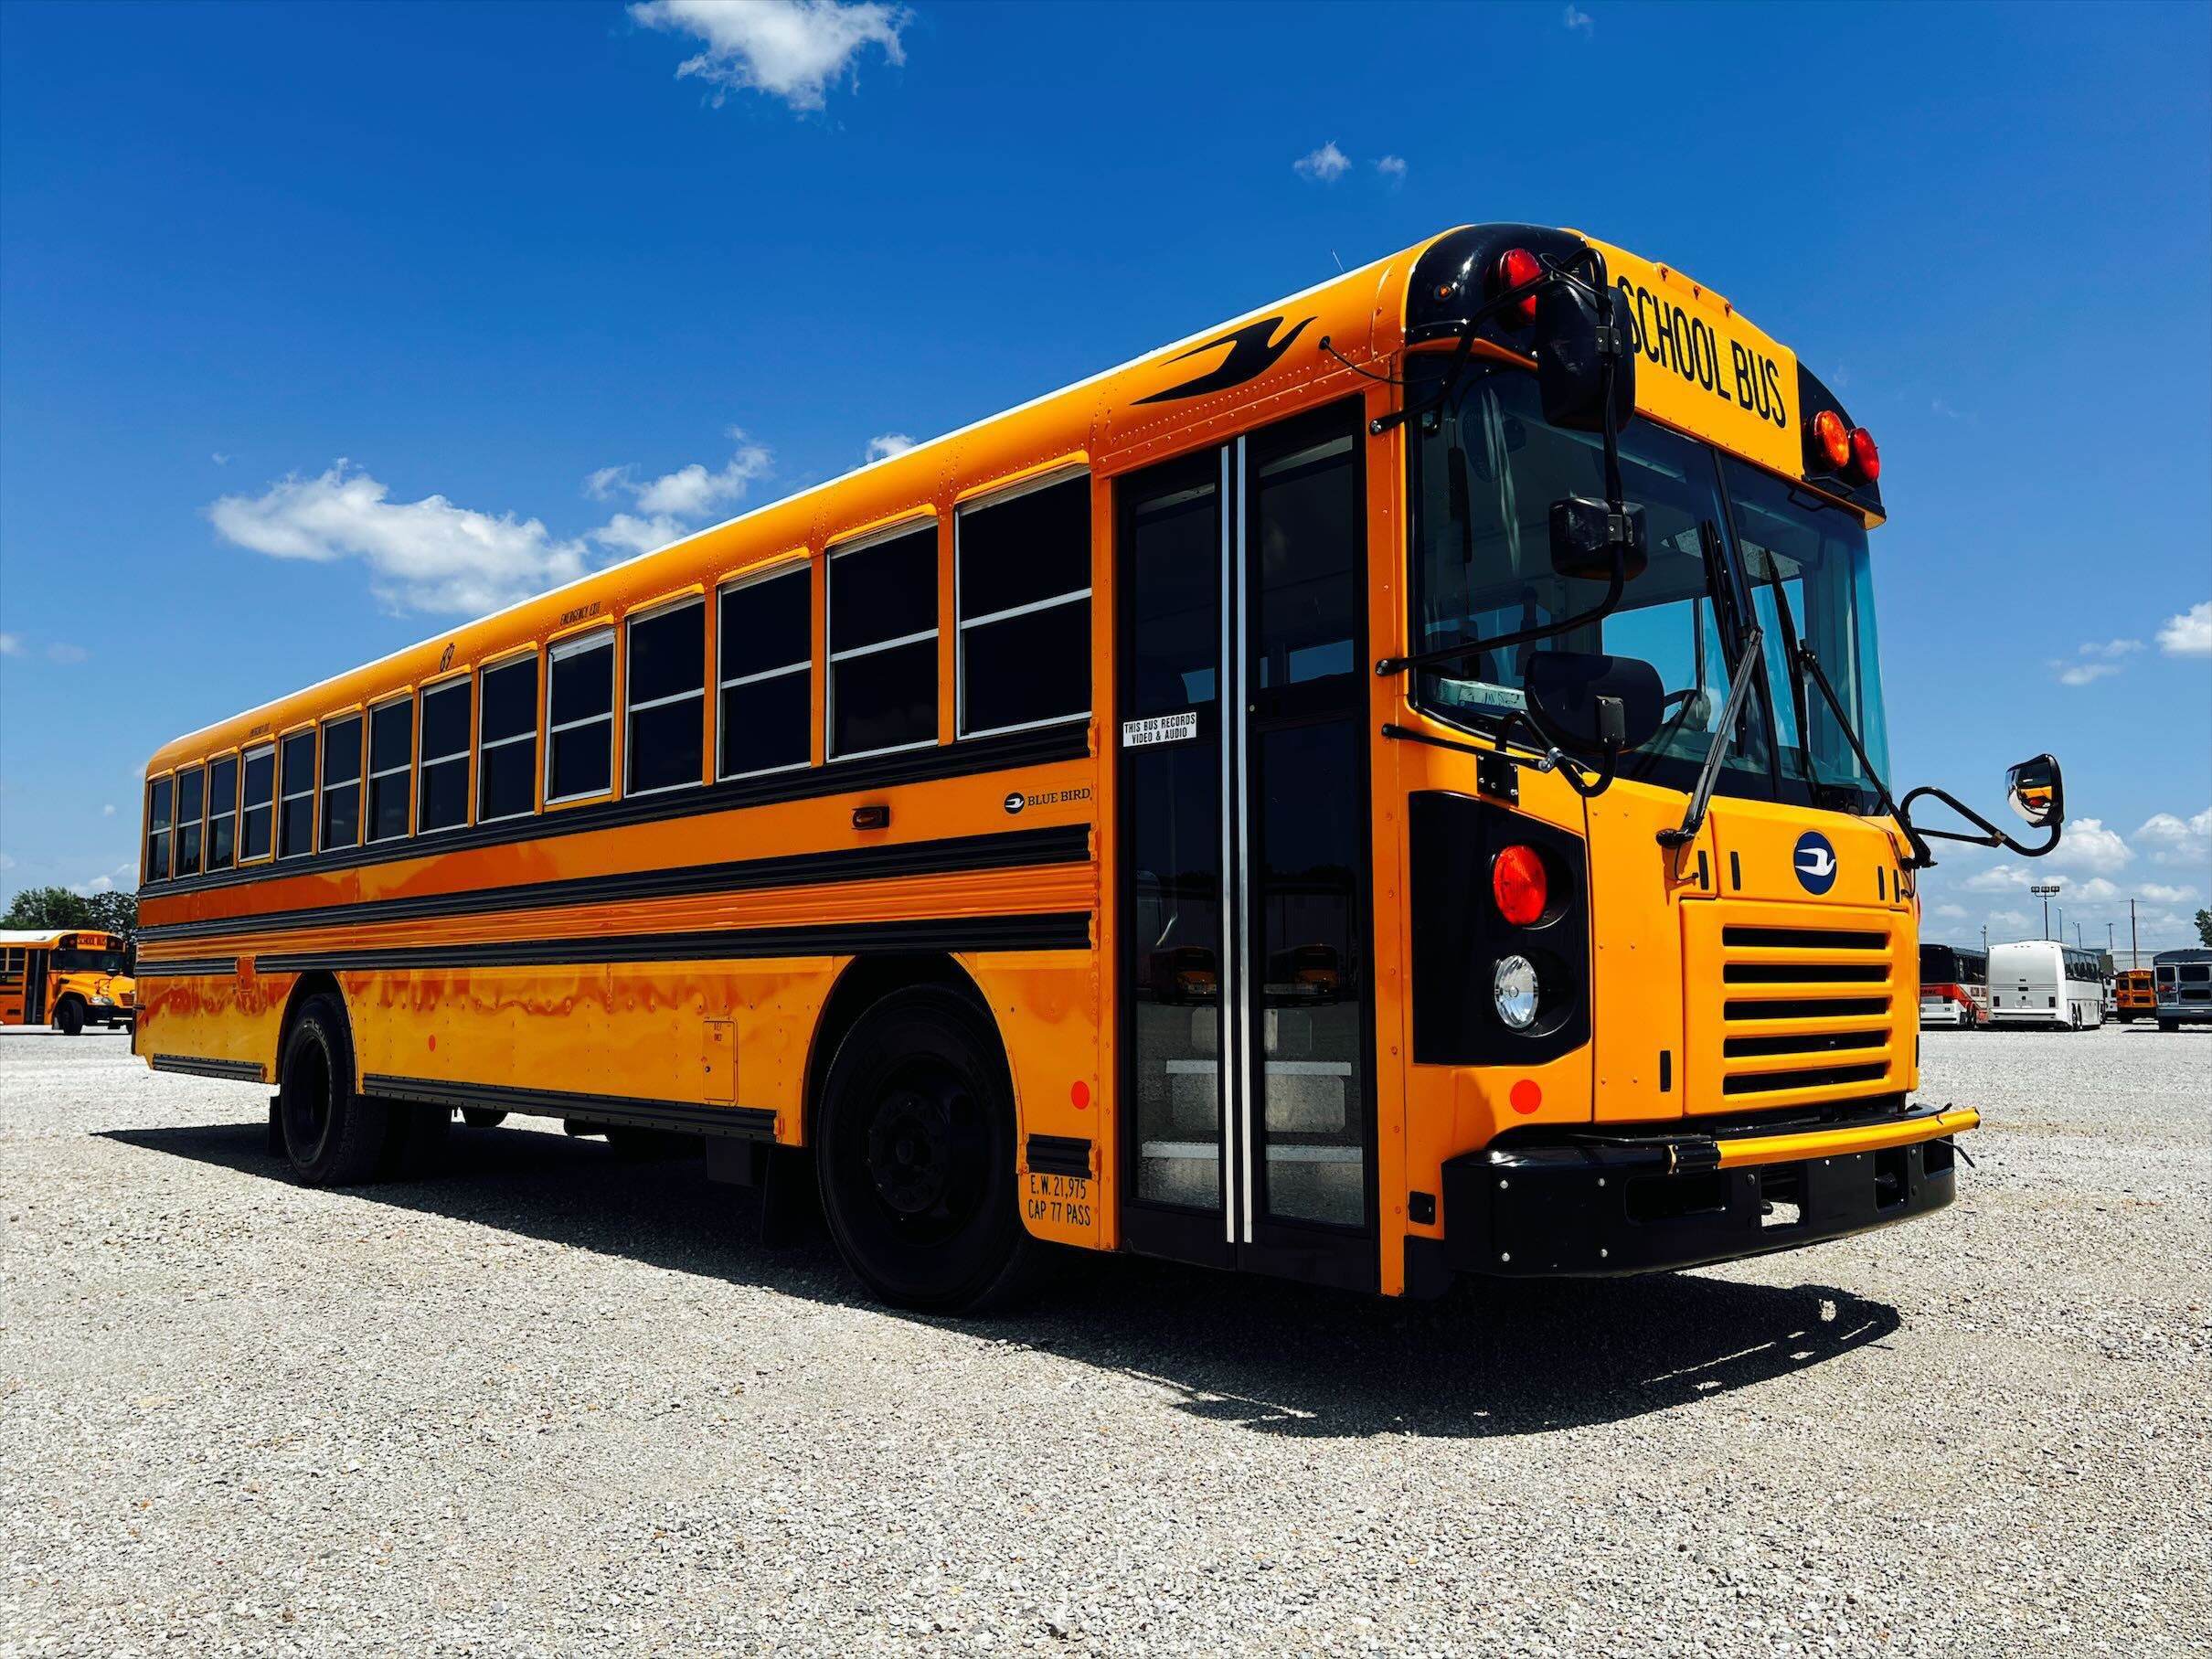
{"points": [[1803, 1014]]}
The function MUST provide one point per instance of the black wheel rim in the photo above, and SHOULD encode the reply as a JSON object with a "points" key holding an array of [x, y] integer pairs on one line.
{"points": [[307, 1100], [927, 1152]]}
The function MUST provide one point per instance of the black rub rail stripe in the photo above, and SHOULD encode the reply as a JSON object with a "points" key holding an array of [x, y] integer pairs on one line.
{"points": [[1006, 850], [236, 1071], [974, 756], [186, 967], [1058, 930], [745, 1122], [1060, 1156]]}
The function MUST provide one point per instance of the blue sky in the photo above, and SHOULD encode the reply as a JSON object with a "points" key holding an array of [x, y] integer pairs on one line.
{"points": [[321, 323]]}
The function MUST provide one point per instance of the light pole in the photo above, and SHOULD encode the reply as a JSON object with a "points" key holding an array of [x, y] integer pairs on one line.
{"points": [[2046, 891]]}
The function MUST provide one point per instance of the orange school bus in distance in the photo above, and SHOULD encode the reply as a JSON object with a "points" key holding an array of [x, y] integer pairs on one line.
{"points": [[1387, 787]]}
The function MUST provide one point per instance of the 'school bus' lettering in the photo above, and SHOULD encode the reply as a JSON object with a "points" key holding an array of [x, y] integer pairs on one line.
{"points": [[1118, 824]]}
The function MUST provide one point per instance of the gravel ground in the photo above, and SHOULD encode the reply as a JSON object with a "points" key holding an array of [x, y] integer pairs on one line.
{"points": [[550, 1403]]}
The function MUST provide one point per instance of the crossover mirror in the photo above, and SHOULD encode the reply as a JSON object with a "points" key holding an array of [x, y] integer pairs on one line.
{"points": [[2037, 791], [1589, 703], [1582, 539]]}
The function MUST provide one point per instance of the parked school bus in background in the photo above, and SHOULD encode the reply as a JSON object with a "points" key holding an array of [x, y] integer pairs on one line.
{"points": [[2133, 994], [66, 978], [2183, 987], [1387, 787]]}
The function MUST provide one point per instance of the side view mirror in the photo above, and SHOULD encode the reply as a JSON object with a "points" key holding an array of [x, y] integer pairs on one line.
{"points": [[2037, 791], [1582, 539], [1587, 701], [1570, 369]]}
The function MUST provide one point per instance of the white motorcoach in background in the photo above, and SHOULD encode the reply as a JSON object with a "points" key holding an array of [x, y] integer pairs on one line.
{"points": [[2040, 982]]}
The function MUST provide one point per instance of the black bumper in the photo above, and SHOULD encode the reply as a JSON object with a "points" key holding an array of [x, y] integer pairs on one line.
{"points": [[1539, 1210]]}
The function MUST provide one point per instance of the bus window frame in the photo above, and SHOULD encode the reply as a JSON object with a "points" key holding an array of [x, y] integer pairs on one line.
{"points": [[782, 566], [465, 754], [534, 737], [176, 822], [246, 755], [667, 604], [576, 642], [982, 498], [147, 831], [369, 774], [314, 779], [860, 541], [360, 780], [237, 786]]}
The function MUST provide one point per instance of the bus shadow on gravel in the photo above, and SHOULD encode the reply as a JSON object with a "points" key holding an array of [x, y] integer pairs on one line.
{"points": [[1490, 1358]]}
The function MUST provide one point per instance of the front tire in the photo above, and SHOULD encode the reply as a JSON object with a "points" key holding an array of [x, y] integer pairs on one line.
{"points": [[483, 1117], [69, 1016], [333, 1136], [914, 1151]]}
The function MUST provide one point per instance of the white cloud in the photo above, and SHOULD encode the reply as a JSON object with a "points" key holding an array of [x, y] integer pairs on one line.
{"points": [[884, 446], [2087, 845], [2172, 840], [1391, 167], [2189, 634], [665, 504], [2008, 918], [627, 534], [426, 555], [11, 645], [219, 458], [2084, 674], [8, 861], [2001, 878], [108, 811], [792, 49], [2096, 886], [1579, 20], [1940, 408], [59, 651], [2159, 893], [2113, 648], [1326, 165], [1951, 913]]}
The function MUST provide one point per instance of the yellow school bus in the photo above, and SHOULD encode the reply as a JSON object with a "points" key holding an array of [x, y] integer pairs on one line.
{"points": [[1385, 788], [67, 978]]}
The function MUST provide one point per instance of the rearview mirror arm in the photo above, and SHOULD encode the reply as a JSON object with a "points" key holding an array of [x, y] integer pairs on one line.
{"points": [[1922, 858]]}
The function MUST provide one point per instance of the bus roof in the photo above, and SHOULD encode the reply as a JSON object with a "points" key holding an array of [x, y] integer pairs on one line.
{"points": [[1704, 370], [53, 936]]}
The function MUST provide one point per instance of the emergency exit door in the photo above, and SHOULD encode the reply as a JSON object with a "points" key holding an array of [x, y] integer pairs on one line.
{"points": [[1248, 1124]]}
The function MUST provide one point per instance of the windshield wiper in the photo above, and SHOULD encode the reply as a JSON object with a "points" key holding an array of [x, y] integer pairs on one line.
{"points": [[1731, 713]]}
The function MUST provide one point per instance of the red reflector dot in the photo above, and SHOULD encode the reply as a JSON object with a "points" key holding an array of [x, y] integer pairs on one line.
{"points": [[1078, 1094], [1527, 1096]]}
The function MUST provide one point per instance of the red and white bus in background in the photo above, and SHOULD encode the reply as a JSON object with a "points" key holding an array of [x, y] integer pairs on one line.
{"points": [[1954, 986]]}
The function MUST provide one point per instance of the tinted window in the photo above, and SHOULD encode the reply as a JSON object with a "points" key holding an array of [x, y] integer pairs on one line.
{"points": [[580, 729], [507, 751], [191, 797], [342, 782], [1025, 609], [158, 799], [766, 716], [257, 809], [296, 795], [668, 661], [391, 757], [441, 784], [222, 813], [883, 646]]}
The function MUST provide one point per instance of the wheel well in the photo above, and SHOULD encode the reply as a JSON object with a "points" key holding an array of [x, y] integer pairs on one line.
{"points": [[865, 981], [308, 984]]}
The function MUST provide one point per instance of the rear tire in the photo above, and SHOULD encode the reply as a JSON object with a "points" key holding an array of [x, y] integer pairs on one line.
{"points": [[333, 1136], [69, 1016], [914, 1152]]}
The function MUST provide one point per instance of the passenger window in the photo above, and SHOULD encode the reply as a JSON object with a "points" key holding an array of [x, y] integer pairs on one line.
{"points": [[342, 784], [883, 646], [766, 639], [580, 719], [222, 813], [191, 798], [391, 758], [158, 795], [506, 740], [296, 795], [254, 815], [1025, 609], [665, 744], [441, 777]]}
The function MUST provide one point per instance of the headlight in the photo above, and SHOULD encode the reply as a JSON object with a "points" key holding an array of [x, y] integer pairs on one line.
{"points": [[1513, 988], [99, 1001]]}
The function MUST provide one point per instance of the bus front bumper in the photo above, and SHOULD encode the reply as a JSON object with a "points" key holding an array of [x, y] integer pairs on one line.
{"points": [[1644, 1202]]}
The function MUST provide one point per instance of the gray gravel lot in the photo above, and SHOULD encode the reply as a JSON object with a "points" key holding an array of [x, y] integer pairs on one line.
{"points": [[550, 1404]]}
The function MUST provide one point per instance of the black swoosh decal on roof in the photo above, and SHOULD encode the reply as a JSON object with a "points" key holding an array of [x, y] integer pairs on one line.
{"points": [[1252, 351]]}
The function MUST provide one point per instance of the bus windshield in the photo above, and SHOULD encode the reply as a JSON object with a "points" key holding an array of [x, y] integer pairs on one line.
{"points": [[1483, 484], [78, 959]]}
